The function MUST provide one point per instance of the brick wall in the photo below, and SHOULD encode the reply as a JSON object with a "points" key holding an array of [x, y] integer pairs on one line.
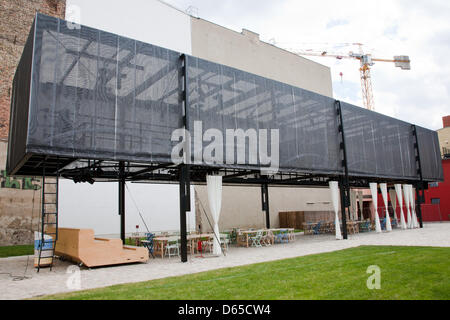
{"points": [[19, 196], [16, 17], [446, 121]]}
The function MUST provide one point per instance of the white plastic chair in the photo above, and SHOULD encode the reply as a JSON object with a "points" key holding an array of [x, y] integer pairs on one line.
{"points": [[267, 238], [256, 240], [173, 245], [224, 240]]}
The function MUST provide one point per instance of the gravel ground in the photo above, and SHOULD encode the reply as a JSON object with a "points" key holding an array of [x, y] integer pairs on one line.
{"points": [[55, 281]]}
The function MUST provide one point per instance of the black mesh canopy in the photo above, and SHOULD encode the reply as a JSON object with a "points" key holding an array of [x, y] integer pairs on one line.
{"points": [[225, 98], [82, 93]]}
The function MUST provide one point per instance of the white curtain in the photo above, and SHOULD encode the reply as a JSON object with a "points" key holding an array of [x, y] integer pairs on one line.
{"points": [[374, 192], [361, 204], [412, 200], [398, 190], [353, 205], [393, 199], [334, 188], [406, 195], [214, 185], [383, 187]]}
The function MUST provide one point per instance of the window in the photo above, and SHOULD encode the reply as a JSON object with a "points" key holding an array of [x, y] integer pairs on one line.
{"points": [[435, 201], [433, 184]]}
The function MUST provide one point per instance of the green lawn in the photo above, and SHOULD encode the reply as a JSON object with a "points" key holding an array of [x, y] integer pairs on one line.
{"points": [[12, 251], [406, 273]]}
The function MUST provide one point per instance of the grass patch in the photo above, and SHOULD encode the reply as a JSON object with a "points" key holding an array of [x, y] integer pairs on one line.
{"points": [[12, 251], [406, 273]]}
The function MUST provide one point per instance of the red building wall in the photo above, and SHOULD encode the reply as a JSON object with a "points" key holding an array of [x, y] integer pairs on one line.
{"points": [[441, 192], [430, 211]]}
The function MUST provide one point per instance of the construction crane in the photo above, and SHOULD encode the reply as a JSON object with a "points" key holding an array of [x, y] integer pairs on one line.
{"points": [[366, 62]]}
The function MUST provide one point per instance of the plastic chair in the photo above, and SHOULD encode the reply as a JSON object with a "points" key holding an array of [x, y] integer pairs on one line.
{"points": [[316, 229], [207, 244], [224, 241], [282, 236], [233, 235], [383, 224], [365, 226], [149, 243], [256, 240], [173, 245], [394, 223], [267, 238]]}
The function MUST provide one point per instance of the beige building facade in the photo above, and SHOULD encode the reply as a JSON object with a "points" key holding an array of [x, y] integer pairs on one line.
{"points": [[245, 51], [444, 140]]}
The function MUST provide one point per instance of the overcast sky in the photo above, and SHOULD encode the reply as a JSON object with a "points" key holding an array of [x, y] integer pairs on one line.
{"points": [[420, 29]]}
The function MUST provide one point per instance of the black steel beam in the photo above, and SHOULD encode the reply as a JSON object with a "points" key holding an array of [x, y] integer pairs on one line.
{"points": [[184, 208], [420, 192], [343, 208], [344, 181], [184, 172], [122, 200], [419, 187], [265, 203]]}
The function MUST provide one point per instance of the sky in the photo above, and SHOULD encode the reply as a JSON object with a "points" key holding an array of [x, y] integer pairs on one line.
{"points": [[420, 29]]}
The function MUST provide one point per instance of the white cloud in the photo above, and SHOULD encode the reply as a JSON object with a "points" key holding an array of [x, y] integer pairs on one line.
{"points": [[420, 29]]}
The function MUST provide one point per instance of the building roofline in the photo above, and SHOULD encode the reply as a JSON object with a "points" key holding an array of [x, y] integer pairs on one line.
{"points": [[262, 41], [173, 7], [240, 33]]}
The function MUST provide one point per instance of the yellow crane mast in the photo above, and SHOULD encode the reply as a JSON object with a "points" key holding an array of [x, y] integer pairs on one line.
{"points": [[366, 62]]}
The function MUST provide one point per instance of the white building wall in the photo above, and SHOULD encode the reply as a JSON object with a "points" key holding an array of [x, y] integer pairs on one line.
{"points": [[82, 205], [148, 21]]}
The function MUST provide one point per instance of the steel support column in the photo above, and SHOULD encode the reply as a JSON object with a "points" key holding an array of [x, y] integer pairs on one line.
{"points": [[344, 185], [184, 169], [265, 202], [420, 194], [420, 185], [122, 200], [185, 204], [343, 207]]}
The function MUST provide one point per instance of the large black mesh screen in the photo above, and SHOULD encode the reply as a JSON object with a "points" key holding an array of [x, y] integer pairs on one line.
{"points": [[20, 97], [430, 156], [225, 98], [378, 145], [99, 95], [83, 93]]}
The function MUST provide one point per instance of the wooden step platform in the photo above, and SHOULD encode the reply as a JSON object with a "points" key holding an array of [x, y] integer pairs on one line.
{"points": [[81, 246]]}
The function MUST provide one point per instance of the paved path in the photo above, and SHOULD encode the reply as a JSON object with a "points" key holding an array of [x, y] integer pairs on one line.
{"points": [[46, 282]]}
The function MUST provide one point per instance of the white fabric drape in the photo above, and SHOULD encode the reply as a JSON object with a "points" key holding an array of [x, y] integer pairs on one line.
{"points": [[398, 190], [361, 204], [406, 195], [214, 185], [334, 188], [383, 187], [393, 198], [412, 201], [353, 205], [374, 192]]}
